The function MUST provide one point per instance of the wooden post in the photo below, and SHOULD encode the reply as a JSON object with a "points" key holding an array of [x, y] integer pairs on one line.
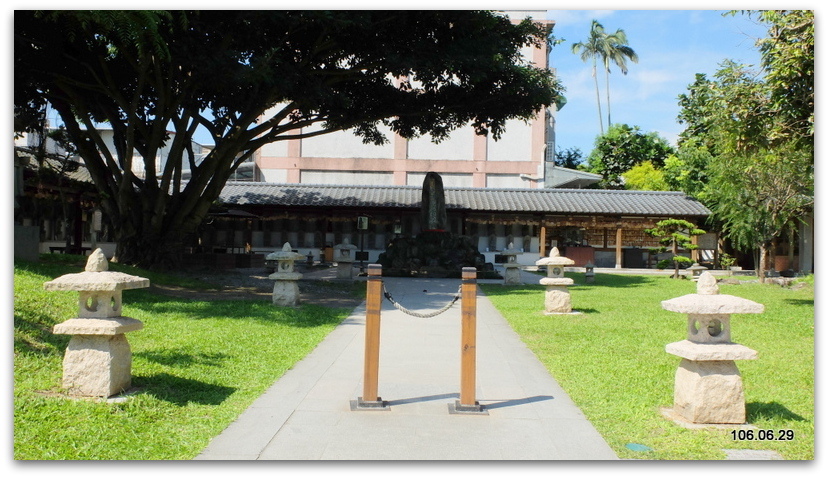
{"points": [[542, 240], [468, 351], [619, 235], [372, 334]]}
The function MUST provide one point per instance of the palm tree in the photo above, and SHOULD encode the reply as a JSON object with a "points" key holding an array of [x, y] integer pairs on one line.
{"points": [[610, 48], [592, 49], [617, 51]]}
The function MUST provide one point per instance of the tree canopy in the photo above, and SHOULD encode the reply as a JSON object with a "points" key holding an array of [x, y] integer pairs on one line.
{"points": [[747, 150], [155, 78], [673, 234], [623, 147]]}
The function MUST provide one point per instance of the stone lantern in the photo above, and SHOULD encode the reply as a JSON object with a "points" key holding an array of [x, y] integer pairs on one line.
{"points": [[589, 273], [511, 273], [558, 300], [286, 287], [98, 360], [708, 387], [695, 271], [344, 258]]}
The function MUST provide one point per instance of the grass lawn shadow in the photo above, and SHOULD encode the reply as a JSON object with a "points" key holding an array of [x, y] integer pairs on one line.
{"points": [[178, 359], [305, 315], [805, 302], [769, 411], [32, 336], [181, 391]]}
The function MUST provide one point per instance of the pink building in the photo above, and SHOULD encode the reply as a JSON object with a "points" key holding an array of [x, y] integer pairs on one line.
{"points": [[465, 159]]}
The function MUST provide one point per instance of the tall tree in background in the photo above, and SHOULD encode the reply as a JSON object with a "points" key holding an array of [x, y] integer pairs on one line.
{"points": [[788, 62], [611, 48], [622, 148], [618, 52], [143, 74], [571, 158], [747, 150], [590, 50]]}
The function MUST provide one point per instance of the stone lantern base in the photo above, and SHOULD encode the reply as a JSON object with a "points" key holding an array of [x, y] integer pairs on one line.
{"points": [[345, 270], [98, 360], [709, 392], [286, 293], [708, 387], [557, 299], [511, 274]]}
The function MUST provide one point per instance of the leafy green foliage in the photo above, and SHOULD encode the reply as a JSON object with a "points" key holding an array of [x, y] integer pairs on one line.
{"points": [[758, 196], [675, 234], [688, 170], [571, 158], [645, 177], [747, 150], [611, 361], [788, 59], [621, 149]]}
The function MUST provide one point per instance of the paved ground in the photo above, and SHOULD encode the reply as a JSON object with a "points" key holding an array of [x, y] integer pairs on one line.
{"points": [[307, 415]]}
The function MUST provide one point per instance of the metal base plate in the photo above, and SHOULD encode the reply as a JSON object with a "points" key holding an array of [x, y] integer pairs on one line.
{"points": [[360, 405], [458, 408]]}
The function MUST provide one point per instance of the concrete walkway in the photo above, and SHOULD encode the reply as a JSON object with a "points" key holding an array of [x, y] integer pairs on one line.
{"points": [[306, 414]]}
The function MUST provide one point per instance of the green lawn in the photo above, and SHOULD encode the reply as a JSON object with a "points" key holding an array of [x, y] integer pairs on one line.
{"points": [[196, 366], [612, 363]]}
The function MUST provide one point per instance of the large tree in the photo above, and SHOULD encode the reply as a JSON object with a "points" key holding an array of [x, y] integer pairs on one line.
{"points": [[788, 62], [146, 75], [748, 147]]}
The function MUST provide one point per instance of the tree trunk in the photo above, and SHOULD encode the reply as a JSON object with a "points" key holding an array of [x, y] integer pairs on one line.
{"points": [[761, 265], [162, 252], [598, 97], [675, 262], [609, 119]]}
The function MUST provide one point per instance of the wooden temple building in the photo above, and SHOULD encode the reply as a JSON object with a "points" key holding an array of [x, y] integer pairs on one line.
{"points": [[603, 227]]}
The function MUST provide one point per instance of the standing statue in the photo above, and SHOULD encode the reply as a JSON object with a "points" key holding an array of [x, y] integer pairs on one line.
{"points": [[433, 208]]}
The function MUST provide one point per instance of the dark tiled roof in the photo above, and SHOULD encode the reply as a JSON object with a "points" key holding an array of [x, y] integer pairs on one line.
{"points": [[551, 201]]}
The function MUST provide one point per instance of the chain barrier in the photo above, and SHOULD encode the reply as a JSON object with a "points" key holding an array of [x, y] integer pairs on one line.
{"points": [[419, 314]]}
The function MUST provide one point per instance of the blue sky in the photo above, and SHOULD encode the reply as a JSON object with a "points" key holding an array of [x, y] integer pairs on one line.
{"points": [[672, 46]]}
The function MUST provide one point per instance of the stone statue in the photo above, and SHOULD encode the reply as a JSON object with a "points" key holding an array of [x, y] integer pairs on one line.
{"points": [[434, 252], [433, 208]]}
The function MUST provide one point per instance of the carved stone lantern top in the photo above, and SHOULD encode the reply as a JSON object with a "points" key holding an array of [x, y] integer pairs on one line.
{"points": [[286, 258], [555, 259], [708, 322], [343, 251], [97, 277], [555, 269], [511, 253], [346, 244], [707, 300], [99, 288], [286, 254]]}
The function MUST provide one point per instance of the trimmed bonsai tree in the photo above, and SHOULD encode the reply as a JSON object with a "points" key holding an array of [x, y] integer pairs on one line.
{"points": [[675, 234]]}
